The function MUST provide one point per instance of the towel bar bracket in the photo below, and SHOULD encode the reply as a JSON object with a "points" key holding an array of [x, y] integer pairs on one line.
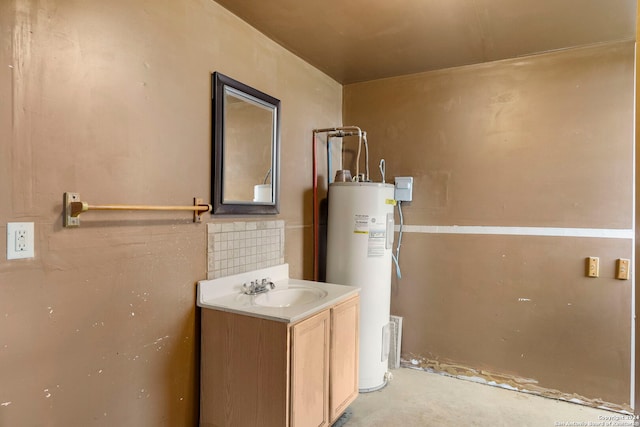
{"points": [[70, 220], [197, 214]]}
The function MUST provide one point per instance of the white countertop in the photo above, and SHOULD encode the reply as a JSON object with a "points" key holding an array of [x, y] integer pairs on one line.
{"points": [[226, 294]]}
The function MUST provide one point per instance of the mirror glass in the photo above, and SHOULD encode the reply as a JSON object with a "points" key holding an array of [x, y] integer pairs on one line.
{"points": [[245, 149]]}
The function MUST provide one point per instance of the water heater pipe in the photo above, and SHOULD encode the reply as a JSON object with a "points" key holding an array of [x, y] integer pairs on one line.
{"points": [[366, 158], [316, 209]]}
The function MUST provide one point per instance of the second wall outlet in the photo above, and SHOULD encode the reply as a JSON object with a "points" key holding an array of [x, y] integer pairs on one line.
{"points": [[622, 269], [593, 266]]}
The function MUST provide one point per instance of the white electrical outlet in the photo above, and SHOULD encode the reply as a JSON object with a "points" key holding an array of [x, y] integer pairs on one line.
{"points": [[20, 240]]}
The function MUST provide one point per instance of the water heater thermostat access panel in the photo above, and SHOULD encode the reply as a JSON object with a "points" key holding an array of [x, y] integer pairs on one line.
{"points": [[404, 188]]}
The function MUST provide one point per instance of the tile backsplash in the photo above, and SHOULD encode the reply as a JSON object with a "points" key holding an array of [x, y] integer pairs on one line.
{"points": [[237, 247]]}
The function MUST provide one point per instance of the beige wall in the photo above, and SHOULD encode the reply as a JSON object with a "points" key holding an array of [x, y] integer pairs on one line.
{"points": [[112, 100], [542, 141]]}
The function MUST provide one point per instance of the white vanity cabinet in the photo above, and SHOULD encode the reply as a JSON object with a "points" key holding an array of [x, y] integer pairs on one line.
{"points": [[268, 373]]}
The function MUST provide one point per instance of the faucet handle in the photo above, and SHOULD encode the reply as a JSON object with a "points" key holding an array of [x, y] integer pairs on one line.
{"points": [[267, 282]]}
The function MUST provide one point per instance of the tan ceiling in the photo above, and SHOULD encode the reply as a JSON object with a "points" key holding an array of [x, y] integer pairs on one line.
{"points": [[359, 40]]}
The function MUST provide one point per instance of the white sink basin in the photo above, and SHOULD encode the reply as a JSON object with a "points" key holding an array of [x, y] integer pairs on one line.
{"points": [[291, 300], [289, 297]]}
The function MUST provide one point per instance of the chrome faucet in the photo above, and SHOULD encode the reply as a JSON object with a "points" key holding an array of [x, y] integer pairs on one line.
{"points": [[258, 287]]}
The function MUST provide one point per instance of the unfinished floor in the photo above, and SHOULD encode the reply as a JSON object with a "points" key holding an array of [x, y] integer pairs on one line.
{"points": [[418, 398]]}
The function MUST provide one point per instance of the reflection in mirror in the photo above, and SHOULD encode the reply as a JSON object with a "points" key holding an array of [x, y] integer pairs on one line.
{"points": [[248, 136], [246, 148]]}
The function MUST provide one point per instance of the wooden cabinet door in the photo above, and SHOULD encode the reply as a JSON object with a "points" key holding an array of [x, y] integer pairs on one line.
{"points": [[344, 356], [244, 369], [310, 371]]}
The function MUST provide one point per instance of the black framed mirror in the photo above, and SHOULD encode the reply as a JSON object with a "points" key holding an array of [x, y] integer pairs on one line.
{"points": [[246, 149]]}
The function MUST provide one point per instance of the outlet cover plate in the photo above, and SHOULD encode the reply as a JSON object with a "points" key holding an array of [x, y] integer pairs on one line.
{"points": [[622, 269], [20, 240], [593, 266]]}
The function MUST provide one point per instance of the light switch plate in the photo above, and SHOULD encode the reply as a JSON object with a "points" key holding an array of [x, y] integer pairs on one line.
{"points": [[20, 240]]}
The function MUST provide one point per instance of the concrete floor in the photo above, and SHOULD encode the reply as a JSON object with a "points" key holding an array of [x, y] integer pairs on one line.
{"points": [[418, 398]]}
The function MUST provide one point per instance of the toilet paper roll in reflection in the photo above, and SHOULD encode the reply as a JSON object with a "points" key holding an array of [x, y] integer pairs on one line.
{"points": [[262, 193]]}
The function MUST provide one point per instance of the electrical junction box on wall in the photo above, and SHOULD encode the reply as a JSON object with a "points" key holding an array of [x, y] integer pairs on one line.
{"points": [[404, 188]]}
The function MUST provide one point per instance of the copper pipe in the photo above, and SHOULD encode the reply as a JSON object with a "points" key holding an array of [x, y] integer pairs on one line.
{"points": [[316, 219]]}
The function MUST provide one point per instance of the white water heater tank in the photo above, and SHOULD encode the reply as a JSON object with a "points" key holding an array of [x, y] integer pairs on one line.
{"points": [[359, 246]]}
